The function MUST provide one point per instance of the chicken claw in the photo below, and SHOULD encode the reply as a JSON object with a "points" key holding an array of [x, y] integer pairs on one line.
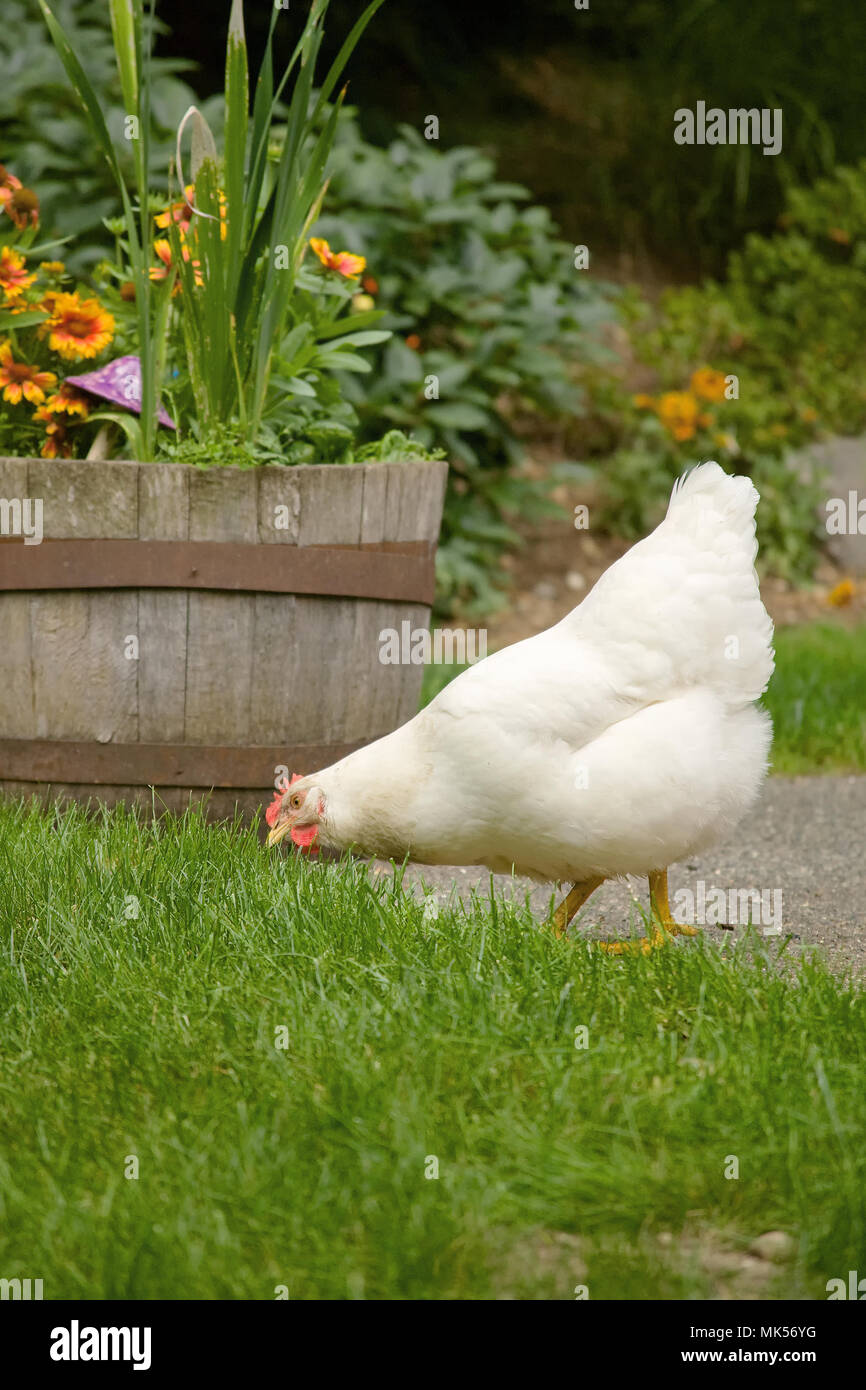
{"points": [[664, 926]]}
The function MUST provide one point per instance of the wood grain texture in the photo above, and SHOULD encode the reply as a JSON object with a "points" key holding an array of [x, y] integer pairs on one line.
{"points": [[163, 515], [85, 499], [213, 667], [223, 506], [16, 682]]}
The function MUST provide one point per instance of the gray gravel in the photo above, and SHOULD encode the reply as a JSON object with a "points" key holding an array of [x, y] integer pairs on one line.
{"points": [[805, 837]]}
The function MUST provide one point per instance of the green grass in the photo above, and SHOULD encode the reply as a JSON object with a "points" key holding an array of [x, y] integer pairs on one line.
{"points": [[409, 1037], [817, 698]]}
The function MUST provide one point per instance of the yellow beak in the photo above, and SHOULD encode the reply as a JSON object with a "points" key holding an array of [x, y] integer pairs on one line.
{"points": [[279, 832]]}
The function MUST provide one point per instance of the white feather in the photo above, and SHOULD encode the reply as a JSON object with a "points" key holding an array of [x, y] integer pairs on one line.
{"points": [[619, 741]]}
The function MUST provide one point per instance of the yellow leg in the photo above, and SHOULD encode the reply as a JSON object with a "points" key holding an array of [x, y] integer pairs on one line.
{"points": [[661, 907], [664, 925], [573, 902]]}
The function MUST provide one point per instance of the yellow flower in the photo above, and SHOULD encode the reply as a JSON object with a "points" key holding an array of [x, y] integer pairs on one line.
{"points": [[708, 385], [52, 267], [56, 443], [182, 213], [13, 275], [179, 212], [808, 415], [159, 272], [20, 381], [344, 262], [678, 412], [842, 593], [77, 327], [642, 401], [66, 401]]}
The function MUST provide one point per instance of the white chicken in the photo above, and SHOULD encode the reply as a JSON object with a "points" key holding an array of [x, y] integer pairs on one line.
{"points": [[622, 739]]}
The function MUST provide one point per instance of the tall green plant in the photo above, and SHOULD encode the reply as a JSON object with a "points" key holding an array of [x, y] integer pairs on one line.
{"points": [[237, 270], [236, 300], [132, 49]]}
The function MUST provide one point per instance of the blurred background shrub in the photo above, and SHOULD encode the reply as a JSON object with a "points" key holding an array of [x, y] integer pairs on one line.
{"points": [[477, 276]]}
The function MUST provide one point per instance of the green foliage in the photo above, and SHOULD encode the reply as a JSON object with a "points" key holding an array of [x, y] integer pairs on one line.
{"points": [[489, 315], [787, 322], [45, 134], [305, 436], [236, 241], [132, 44]]}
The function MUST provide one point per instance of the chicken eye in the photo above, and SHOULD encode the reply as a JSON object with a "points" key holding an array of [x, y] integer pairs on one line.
{"points": [[295, 802]]}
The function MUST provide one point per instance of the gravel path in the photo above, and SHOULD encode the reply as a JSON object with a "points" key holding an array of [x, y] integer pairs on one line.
{"points": [[806, 838]]}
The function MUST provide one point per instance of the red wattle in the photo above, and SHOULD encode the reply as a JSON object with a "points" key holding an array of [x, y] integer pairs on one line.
{"points": [[304, 837]]}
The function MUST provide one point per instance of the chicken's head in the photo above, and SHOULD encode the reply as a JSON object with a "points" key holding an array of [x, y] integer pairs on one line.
{"points": [[298, 812]]}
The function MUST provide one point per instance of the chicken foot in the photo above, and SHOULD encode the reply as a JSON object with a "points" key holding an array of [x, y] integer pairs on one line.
{"points": [[664, 926]]}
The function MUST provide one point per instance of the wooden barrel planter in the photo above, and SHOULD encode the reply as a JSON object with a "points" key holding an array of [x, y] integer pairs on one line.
{"points": [[193, 631]]}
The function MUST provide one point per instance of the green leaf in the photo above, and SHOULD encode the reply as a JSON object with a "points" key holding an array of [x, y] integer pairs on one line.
{"points": [[13, 321], [300, 388], [236, 126], [351, 322], [87, 97], [343, 362], [131, 426], [379, 335], [126, 30], [458, 416]]}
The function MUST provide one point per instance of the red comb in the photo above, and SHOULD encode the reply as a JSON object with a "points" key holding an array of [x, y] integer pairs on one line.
{"points": [[273, 810]]}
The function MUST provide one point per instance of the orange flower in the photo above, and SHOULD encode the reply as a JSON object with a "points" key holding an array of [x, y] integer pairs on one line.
{"points": [[808, 415], [21, 381], [642, 401], [842, 593], [77, 327], [678, 412], [182, 213], [838, 234], [8, 185], [13, 275], [159, 272], [179, 212], [57, 444], [66, 401], [708, 385], [23, 207], [413, 342], [370, 284], [8, 180], [344, 262]]}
